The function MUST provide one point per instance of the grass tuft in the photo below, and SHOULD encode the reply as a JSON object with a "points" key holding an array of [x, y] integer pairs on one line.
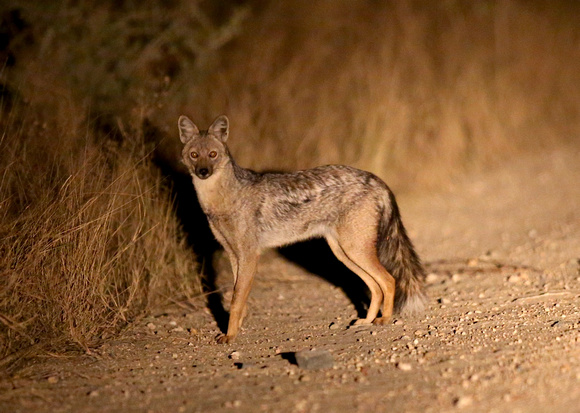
{"points": [[88, 240]]}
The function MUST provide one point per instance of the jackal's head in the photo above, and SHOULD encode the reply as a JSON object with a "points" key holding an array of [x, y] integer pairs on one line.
{"points": [[204, 152]]}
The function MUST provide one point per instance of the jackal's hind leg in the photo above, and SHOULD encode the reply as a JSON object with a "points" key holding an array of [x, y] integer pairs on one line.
{"points": [[376, 293], [357, 238], [368, 260]]}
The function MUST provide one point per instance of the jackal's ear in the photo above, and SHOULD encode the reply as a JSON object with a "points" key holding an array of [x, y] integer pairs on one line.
{"points": [[187, 129], [220, 128]]}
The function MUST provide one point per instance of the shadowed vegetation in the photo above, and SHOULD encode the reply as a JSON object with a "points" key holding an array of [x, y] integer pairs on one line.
{"points": [[88, 239]]}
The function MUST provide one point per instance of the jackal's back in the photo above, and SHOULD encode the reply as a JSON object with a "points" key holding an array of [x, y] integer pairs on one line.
{"points": [[309, 203]]}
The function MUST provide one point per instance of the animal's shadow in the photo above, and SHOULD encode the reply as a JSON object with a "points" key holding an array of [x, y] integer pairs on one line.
{"points": [[199, 236], [316, 257]]}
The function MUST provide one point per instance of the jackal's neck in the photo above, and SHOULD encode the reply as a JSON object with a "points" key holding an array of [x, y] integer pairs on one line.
{"points": [[243, 175], [218, 193]]}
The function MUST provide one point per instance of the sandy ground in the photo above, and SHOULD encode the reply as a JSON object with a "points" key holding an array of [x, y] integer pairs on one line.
{"points": [[501, 331]]}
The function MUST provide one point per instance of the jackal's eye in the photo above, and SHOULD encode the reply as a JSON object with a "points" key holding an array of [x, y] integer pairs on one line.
{"points": [[212, 154], [194, 155]]}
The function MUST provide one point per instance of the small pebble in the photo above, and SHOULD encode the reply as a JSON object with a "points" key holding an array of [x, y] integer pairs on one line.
{"points": [[314, 359], [431, 278], [463, 401], [473, 262], [304, 378], [404, 366], [230, 404]]}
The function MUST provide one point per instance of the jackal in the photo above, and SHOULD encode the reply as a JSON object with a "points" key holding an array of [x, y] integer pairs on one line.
{"points": [[354, 210]]}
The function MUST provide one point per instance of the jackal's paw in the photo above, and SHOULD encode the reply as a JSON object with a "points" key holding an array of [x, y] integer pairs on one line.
{"points": [[225, 339], [361, 321], [381, 321]]}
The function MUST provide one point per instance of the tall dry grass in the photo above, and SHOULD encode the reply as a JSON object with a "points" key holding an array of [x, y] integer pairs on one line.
{"points": [[415, 91], [88, 238]]}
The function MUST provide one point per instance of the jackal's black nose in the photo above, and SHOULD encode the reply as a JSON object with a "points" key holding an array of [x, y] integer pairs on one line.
{"points": [[203, 173]]}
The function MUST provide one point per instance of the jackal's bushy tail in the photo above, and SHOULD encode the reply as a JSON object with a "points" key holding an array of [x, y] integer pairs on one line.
{"points": [[397, 255]]}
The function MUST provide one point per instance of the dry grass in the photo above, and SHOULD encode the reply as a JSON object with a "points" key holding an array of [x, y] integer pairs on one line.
{"points": [[415, 91], [88, 240]]}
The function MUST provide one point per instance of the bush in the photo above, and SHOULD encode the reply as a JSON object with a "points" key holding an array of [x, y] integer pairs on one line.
{"points": [[88, 239]]}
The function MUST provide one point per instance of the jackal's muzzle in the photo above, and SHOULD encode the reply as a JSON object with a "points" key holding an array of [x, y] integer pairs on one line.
{"points": [[203, 172]]}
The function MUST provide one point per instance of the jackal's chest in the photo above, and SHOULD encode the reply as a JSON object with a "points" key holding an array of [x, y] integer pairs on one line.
{"points": [[214, 198]]}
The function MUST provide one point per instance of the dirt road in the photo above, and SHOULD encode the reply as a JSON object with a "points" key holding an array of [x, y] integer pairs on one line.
{"points": [[501, 331]]}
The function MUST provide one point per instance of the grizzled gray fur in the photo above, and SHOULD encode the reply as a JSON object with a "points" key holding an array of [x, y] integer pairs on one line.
{"points": [[353, 210]]}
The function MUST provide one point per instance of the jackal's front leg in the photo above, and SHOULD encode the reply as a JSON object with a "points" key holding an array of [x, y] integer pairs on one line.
{"points": [[233, 257], [246, 270]]}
